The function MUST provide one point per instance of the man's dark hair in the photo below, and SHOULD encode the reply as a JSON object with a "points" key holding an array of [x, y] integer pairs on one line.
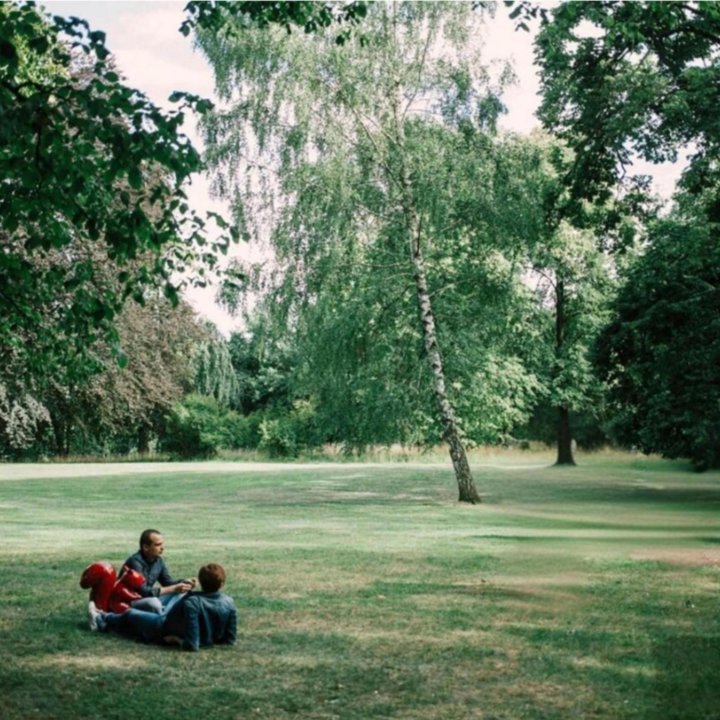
{"points": [[212, 577], [145, 537]]}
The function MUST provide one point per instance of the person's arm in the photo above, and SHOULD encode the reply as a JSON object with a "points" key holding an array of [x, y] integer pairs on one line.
{"points": [[230, 635], [191, 637], [135, 563], [181, 586], [164, 577], [168, 584]]}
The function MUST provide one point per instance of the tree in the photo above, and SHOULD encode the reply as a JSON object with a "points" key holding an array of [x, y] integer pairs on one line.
{"points": [[264, 362], [308, 100], [83, 156], [572, 262], [628, 79], [358, 342], [661, 352], [92, 208], [116, 408], [84, 161], [215, 375], [573, 290], [103, 407]]}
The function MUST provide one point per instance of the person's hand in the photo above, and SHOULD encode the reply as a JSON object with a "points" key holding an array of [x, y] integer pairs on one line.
{"points": [[179, 587], [193, 582]]}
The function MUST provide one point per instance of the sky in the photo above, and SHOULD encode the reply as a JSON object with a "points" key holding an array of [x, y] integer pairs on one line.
{"points": [[155, 58]]}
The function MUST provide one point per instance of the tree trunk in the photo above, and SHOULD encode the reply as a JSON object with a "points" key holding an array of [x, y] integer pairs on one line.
{"points": [[564, 433], [143, 439], [60, 433], [467, 491], [564, 438], [451, 432]]}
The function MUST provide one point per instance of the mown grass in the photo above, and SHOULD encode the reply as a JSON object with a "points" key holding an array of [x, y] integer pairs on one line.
{"points": [[366, 591]]}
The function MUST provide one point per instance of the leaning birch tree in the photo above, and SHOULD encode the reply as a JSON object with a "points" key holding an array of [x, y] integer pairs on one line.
{"points": [[292, 100]]}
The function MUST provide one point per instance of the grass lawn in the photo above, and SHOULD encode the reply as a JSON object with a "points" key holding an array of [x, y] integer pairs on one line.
{"points": [[366, 591]]}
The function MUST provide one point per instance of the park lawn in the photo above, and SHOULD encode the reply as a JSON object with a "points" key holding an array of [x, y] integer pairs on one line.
{"points": [[366, 591]]}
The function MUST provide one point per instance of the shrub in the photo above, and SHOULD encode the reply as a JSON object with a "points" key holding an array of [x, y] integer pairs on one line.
{"points": [[199, 427], [286, 433]]}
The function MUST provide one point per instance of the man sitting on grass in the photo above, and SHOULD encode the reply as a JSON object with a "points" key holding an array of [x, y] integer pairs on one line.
{"points": [[198, 618], [149, 562]]}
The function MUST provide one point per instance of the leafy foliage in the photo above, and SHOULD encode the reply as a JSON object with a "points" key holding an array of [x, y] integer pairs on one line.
{"points": [[661, 353], [264, 364], [631, 78], [89, 166], [311, 16], [198, 426], [390, 106], [93, 212], [113, 408], [628, 80], [215, 375], [22, 421]]}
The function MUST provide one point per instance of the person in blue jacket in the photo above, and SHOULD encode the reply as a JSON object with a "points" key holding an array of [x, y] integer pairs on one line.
{"points": [[198, 619]]}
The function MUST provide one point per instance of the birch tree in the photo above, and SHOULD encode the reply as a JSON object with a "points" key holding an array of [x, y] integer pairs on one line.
{"points": [[293, 100]]}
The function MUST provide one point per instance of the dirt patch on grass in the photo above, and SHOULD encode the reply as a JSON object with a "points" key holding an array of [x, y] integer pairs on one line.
{"points": [[87, 662], [688, 557], [550, 581]]}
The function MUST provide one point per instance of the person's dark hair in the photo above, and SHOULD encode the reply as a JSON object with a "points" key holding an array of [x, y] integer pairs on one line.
{"points": [[145, 537], [212, 577]]}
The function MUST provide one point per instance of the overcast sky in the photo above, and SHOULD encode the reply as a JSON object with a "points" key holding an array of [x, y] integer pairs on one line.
{"points": [[155, 58]]}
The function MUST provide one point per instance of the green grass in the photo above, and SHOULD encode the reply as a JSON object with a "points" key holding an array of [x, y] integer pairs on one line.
{"points": [[366, 591]]}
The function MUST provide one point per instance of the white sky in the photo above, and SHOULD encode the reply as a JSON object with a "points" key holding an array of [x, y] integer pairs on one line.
{"points": [[155, 58]]}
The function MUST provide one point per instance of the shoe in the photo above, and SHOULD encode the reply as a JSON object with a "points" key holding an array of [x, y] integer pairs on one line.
{"points": [[94, 616]]}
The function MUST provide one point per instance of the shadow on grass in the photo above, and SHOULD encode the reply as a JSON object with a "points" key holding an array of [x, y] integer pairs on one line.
{"points": [[622, 487], [687, 687]]}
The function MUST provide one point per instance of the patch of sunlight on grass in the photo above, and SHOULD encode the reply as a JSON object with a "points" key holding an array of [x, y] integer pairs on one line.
{"points": [[87, 663]]}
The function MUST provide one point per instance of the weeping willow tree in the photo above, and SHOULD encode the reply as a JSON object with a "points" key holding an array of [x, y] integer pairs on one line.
{"points": [[356, 155], [214, 372]]}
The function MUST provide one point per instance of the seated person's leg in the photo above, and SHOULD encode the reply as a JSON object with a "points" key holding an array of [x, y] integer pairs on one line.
{"points": [[147, 626], [169, 600], [148, 604]]}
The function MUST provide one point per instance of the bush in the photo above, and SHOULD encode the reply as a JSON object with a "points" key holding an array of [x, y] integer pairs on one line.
{"points": [[285, 434], [198, 427]]}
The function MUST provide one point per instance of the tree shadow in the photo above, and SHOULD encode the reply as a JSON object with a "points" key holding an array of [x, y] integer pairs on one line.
{"points": [[687, 686]]}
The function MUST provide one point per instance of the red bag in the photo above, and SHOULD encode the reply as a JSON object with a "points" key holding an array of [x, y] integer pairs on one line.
{"points": [[100, 578], [124, 590]]}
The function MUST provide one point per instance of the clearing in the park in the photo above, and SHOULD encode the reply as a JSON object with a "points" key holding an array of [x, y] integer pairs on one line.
{"points": [[367, 591]]}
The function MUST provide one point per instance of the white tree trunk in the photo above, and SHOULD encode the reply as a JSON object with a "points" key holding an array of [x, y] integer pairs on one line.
{"points": [[451, 431]]}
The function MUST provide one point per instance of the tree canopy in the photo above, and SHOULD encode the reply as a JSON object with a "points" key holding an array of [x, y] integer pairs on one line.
{"points": [[628, 79], [398, 214], [661, 351], [89, 167]]}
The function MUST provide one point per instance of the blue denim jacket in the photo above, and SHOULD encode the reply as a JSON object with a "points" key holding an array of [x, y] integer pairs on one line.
{"points": [[203, 618], [155, 571]]}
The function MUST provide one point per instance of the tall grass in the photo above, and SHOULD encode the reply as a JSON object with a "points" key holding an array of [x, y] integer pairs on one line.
{"points": [[367, 591]]}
